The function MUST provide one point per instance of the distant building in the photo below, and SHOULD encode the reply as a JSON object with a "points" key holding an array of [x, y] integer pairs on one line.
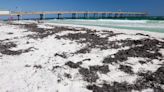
{"points": [[4, 12]]}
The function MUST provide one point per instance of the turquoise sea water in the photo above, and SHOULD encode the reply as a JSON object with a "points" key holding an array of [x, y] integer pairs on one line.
{"points": [[145, 25]]}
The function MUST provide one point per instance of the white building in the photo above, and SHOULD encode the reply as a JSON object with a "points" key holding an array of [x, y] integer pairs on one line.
{"points": [[3, 12]]}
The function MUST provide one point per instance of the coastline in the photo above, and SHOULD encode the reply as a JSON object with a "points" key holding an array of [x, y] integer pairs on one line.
{"points": [[128, 31], [74, 58]]}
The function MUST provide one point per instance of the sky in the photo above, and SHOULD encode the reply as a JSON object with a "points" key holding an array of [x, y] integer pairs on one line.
{"points": [[153, 7]]}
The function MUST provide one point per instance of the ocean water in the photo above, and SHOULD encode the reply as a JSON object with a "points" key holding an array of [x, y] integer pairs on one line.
{"points": [[144, 25]]}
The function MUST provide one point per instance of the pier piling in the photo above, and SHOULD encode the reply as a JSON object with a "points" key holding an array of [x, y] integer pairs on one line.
{"points": [[85, 15], [121, 15], [59, 16], [95, 15], [18, 17], [74, 16], [116, 15], [109, 15], [103, 15], [41, 16]]}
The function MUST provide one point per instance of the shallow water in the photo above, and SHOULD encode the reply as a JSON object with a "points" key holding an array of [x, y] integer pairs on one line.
{"points": [[146, 25]]}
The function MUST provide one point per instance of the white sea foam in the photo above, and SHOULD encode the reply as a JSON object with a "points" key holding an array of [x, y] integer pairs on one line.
{"points": [[110, 20], [146, 25], [123, 21]]}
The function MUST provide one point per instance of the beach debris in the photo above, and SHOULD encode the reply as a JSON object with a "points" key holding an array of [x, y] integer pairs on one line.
{"points": [[27, 65], [37, 66], [10, 33], [73, 65], [87, 59], [67, 75], [142, 34], [63, 55]]}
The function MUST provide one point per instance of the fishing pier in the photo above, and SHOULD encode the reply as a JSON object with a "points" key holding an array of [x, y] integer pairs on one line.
{"points": [[75, 14]]}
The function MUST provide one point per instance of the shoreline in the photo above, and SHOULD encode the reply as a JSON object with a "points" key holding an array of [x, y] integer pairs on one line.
{"points": [[128, 31]]}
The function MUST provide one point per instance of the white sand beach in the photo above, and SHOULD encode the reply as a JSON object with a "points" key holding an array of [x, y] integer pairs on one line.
{"points": [[49, 57]]}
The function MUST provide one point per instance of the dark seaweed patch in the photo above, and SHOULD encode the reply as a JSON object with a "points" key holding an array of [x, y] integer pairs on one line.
{"points": [[63, 55], [73, 65], [10, 33], [27, 65], [17, 52], [6, 46], [142, 34], [83, 50], [88, 75], [116, 87], [55, 67], [142, 62], [41, 32], [88, 59], [11, 52], [67, 75], [37, 66], [122, 87], [102, 69], [92, 40], [153, 78], [126, 69], [139, 51]]}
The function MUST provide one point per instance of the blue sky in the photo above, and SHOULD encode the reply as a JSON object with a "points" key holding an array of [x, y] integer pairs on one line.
{"points": [[154, 7]]}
